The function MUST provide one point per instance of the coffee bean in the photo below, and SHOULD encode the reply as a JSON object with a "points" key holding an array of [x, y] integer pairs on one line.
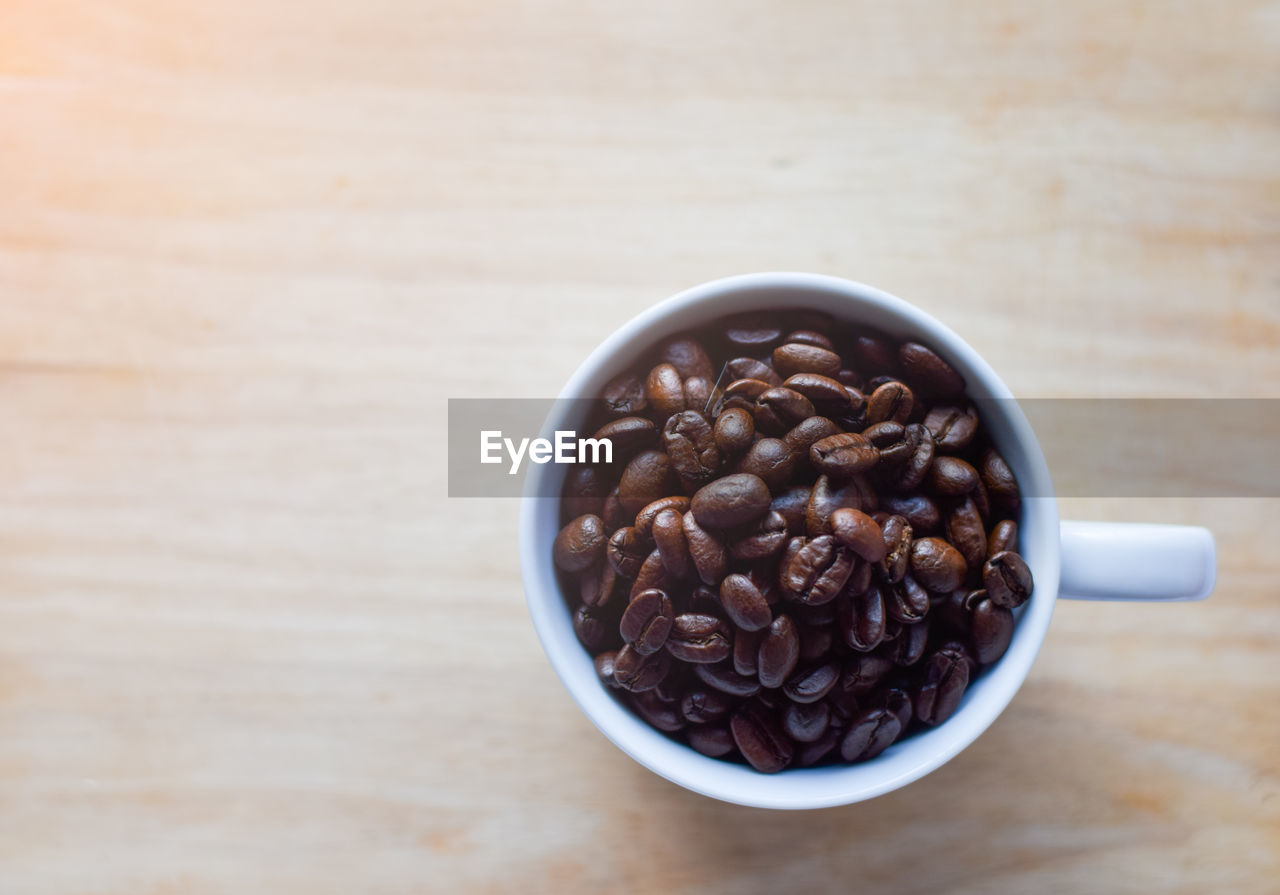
{"points": [[917, 509], [779, 409], [744, 604], [637, 672], [630, 435], [647, 621], [770, 459], [691, 446], [746, 652], [583, 493], [713, 740], [953, 427], [875, 353], [869, 734], [991, 632], [763, 538], [1007, 579], [722, 677], [752, 332], [965, 531], [913, 458], [1004, 536], [734, 431], [808, 337], [650, 511], [604, 668], [862, 672], [664, 392], [707, 553], [809, 754], [827, 496], [688, 357], [700, 639], [779, 652], [801, 437], [906, 601], [812, 683], [791, 503], [861, 617], [843, 456], [951, 477], [743, 392], [937, 565], [890, 401], [828, 396], [896, 534], [653, 574], [750, 368], [814, 571], [806, 722], [646, 478], [613, 514], [704, 705], [760, 740], [580, 544], [800, 358], [669, 537], [910, 644], [859, 532], [598, 584], [928, 371], [591, 627], [730, 501], [623, 395], [945, 678], [627, 550], [999, 480]]}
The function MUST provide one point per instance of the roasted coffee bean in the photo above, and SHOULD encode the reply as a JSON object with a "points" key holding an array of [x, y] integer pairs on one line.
{"points": [[897, 534], [706, 551], [613, 514], [761, 539], [645, 479], [746, 652], [760, 740], [890, 401], [744, 604], [664, 392], [897, 701], [772, 460], [828, 396], [637, 672], [653, 574], [808, 337], [688, 356], [862, 672], [699, 638], [859, 532], [623, 395], [980, 500], [580, 544], [647, 621], [917, 509], [779, 409], [630, 435], [753, 332], [965, 531], [813, 683], [861, 617], [860, 580], [991, 632], [956, 609], [806, 722], [945, 678], [743, 392], [930, 373], [808, 432], [827, 496], [815, 572], [598, 584], [999, 480], [1007, 579], [907, 602], [673, 547], [951, 477], [750, 368], [691, 445], [713, 740], [583, 493], [659, 714], [604, 668], [910, 644], [842, 456], [869, 734], [650, 511], [791, 503], [704, 705], [953, 427], [874, 354], [794, 358], [734, 431], [591, 627], [779, 652], [627, 550], [937, 565], [809, 754], [1004, 536], [731, 501], [722, 677]]}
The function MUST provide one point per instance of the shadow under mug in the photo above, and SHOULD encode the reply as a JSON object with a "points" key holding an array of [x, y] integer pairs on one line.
{"points": [[1081, 560]]}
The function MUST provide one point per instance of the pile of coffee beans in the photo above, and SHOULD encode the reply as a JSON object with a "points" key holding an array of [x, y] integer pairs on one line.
{"points": [[805, 547]]}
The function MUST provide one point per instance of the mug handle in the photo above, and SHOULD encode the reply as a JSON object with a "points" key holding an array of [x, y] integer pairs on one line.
{"points": [[1137, 561]]}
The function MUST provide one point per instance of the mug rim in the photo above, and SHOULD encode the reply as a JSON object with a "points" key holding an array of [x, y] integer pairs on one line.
{"points": [[794, 788]]}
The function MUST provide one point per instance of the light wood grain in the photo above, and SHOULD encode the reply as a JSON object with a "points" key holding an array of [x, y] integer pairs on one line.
{"points": [[247, 250]]}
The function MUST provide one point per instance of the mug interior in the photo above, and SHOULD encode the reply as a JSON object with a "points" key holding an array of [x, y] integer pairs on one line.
{"points": [[907, 760]]}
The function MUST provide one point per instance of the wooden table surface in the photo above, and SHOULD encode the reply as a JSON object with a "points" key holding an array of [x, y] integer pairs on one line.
{"points": [[248, 250]]}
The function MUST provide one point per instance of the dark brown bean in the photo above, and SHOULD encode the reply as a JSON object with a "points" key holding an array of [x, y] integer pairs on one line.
{"points": [[897, 534], [653, 574], [703, 705], [730, 501], [928, 371], [945, 678], [673, 547], [734, 431], [691, 445], [910, 644], [862, 672], [951, 477], [809, 754], [604, 668], [890, 401], [637, 672], [937, 565], [629, 435], [664, 392], [648, 513], [744, 604], [713, 740], [827, 496], [779, 409], [816, 570], [1004, 536], [760, 740], [898, 701], [806, 722], [844, 455], [828, 395], [687, 355], [953, 427], [965, 531], [991, 632], [861, 617], [583, 493], [598, 584], [800, 358], [746, 652], [753, 332], [869, 734], [998, 478], [875, 354], [779, 652], [761, 539], [591, 626], [813, 683], [646, 478], [791, 503], [708, 554], [699, 638], [722, 677], [580, 544], [808, 337], [623, 395], [772, 460], [859, 532], [656, 712], [750, 368], [918, 509], [647, 621], [1007, 578], [613, 514], [907, 602]]}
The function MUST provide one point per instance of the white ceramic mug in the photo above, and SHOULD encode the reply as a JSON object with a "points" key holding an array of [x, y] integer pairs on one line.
{"points": [[1089, 560]]}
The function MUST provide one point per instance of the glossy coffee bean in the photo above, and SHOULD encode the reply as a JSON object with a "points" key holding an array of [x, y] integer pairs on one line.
{"points": [[750, 368], [629, 436], [658, 713], [713, 740], [951, 477], [1007, 579], [772, 460], [746, 652], [953, 426], [791, 503], [829, 396], [843, 456], [672, 546], [806, 722], [691, 446], [965, 530], [897, 701], [861, 618], [580, 544], [598, 584], [828, 495], [583, 493], [779, 409], [623, 395], [752, 332], [699, 638], [918, 509], [734, 431], [862, 672], [897, 536], [875, 354], [626, 551], [653, 574], [664, 392], [891, 401], [937, 565], [945, 679], [591, 626], [779, 652], [910, 644], [637, 672], [809, 754], [731, 500], [688, 356], [907, 602], [816, 570], [795, 358], [744, 604], [647, 621], [704, 705], [808, 337], [930, 373], [760, 739], [761, 539], [722, 677], [1004, 536], [644, 519], [647, 477], [859, 532], [813, 683], [604, 668], [706, 551], [991, 631], [998, 478], [801, 437], [869, 734]]}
